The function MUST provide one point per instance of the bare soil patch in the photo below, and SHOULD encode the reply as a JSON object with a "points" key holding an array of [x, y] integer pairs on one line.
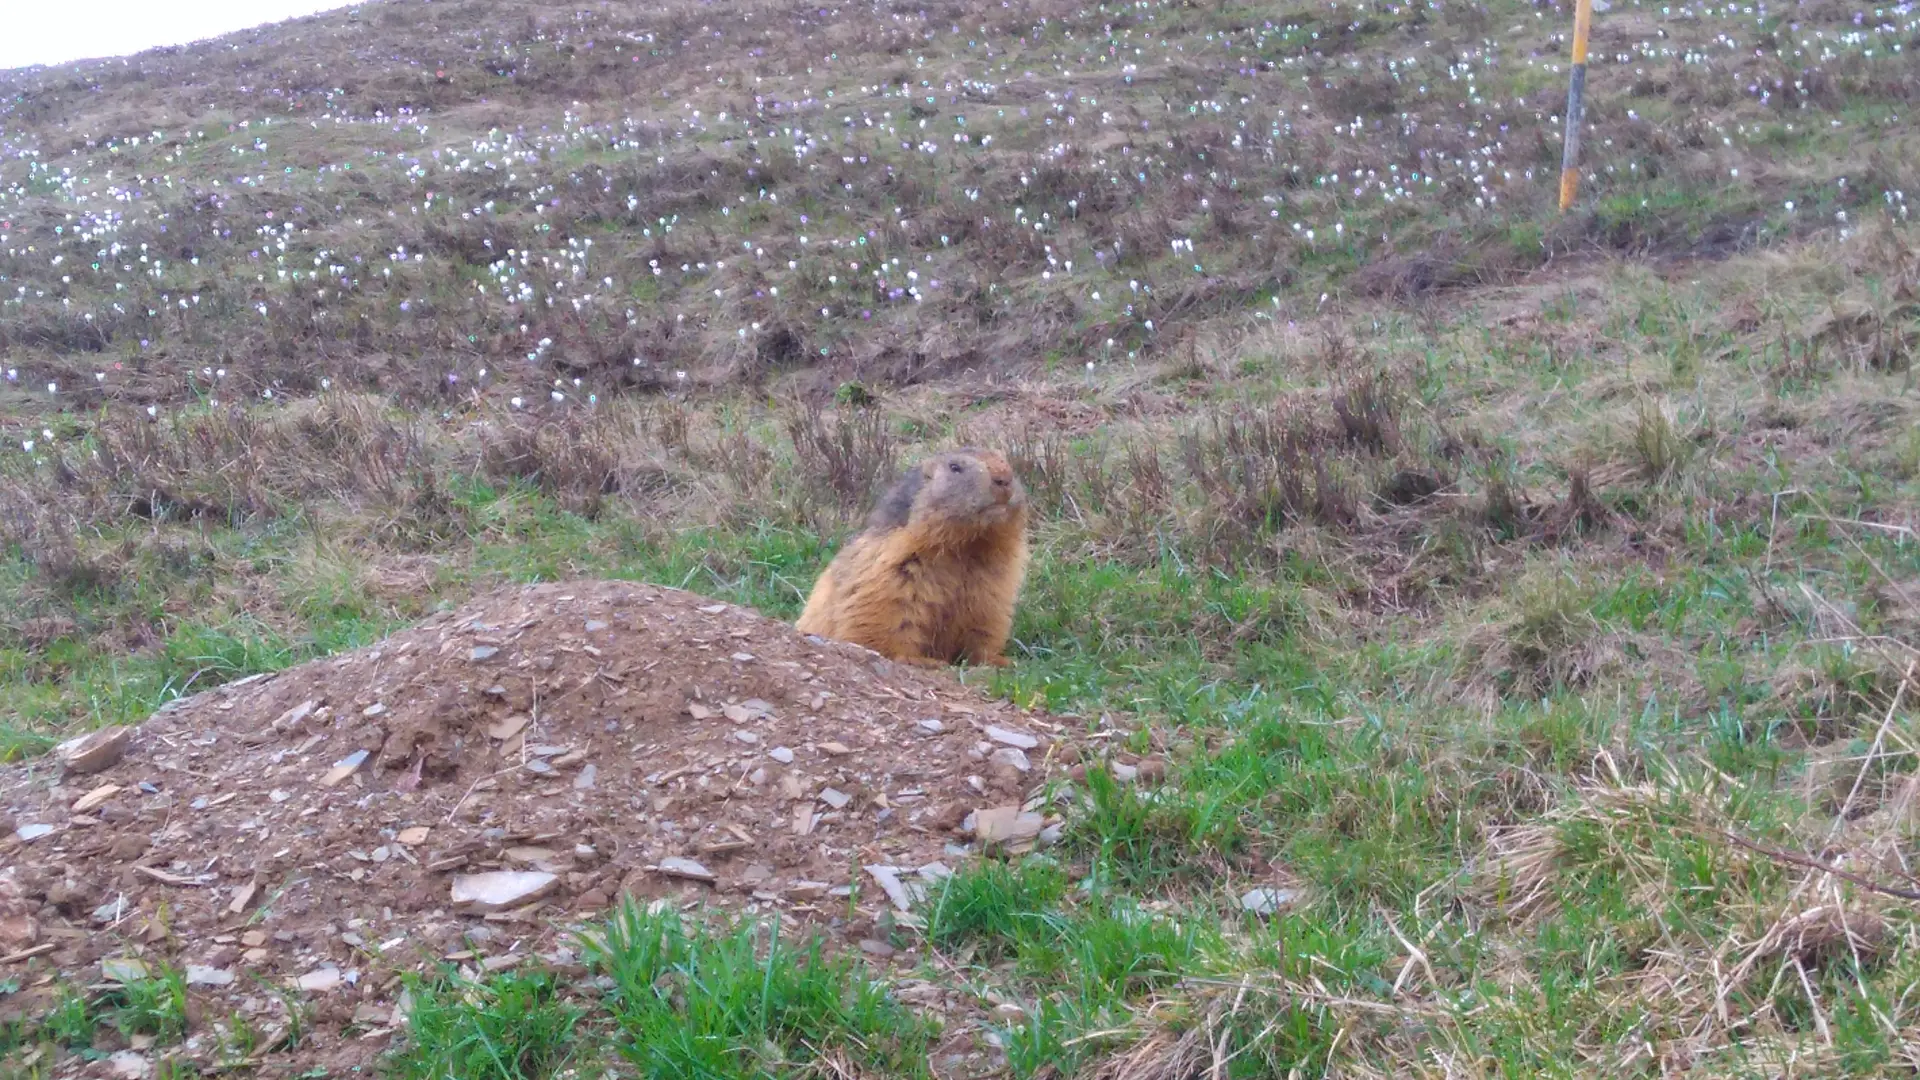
{"points": [[299, 837]]}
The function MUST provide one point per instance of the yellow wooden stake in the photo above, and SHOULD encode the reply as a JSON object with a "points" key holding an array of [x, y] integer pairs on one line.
{"points": [[1576, 105]]}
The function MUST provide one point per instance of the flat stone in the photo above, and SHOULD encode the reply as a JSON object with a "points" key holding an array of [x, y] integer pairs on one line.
{"points": [[1266, 901], [482, 653], [676, 866], [889, 880], [509, 727], [1012, 757], [201, 975], [128, 1065], [92, 799], [29, 833], [497, 890], [344, 768], [1019, 740], [781, 754], [95, 750], [1006, 825], [835, 798], [296, 715], [929, 726], [123, 969], [588, 774], [320, 980]]}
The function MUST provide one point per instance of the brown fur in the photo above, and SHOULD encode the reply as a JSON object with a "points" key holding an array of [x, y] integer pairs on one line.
{"points": [[933, 577]]}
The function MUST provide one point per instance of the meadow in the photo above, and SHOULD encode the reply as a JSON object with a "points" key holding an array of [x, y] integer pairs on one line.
{"points": [[1528, 603]]}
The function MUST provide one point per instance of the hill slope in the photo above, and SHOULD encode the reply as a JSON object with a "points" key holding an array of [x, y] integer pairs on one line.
{"points": [[1531, 602]]}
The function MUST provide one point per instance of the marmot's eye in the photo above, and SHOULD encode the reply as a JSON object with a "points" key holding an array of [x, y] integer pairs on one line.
{"points": [[956, 466]]}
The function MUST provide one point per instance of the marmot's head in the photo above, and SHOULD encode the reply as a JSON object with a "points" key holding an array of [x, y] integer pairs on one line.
{"points": [[975, 487], [972, 484]]}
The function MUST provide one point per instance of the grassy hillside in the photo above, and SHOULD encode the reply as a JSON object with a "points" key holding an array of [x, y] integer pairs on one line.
{"points": [[1535, 597]]}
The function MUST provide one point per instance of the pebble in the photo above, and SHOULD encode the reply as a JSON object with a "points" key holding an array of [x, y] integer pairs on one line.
{"points": [[588, 774], [889, 880], [1019, 740], [594, 626], [128, 1065], [320, 980], [1005, 824], [123, 969], [781, 754], [835, 798], [484, 652], [929, 726], [677, 866], [1267, 901], [201, 975], [95, 750], [499, 889], [29, 833], [1010, 756]]}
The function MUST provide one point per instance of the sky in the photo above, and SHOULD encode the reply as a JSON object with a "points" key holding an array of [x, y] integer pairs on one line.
{"points": [[58, 31]]}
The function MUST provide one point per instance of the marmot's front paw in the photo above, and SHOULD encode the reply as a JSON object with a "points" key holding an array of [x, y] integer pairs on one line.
{"points": [[996, 661]]}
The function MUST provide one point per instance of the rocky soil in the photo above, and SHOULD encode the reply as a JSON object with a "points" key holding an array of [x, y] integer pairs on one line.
{"points": [[469, 789]]}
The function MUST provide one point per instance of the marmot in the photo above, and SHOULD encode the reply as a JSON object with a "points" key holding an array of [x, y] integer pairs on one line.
{"points": [[933, 576]]}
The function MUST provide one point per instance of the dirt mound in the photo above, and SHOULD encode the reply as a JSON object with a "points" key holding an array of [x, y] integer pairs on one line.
{"points": [[555, 745]]}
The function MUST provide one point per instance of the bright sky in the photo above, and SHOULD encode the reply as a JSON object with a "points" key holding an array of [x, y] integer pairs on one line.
{"points": [[58, 31]]}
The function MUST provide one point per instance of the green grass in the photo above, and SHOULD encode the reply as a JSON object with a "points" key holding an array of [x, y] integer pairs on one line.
{"points": [[744, 1002], [512, 1027]]}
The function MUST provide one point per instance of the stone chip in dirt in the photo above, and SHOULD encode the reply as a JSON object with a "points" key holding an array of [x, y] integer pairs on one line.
{"points": [[676, 866], [1007, 825], [224, 791], [499, 890], [202, 975], [91, 800], [123, 969], [1266, 901], [95, 750], [1019, 740], [320, 980]]}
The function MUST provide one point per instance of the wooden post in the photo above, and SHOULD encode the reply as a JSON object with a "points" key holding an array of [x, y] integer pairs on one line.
{"points": [[1576, 104]]}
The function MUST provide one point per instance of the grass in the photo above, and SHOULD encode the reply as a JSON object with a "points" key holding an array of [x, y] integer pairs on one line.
{"points": [[678, 1000]]}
